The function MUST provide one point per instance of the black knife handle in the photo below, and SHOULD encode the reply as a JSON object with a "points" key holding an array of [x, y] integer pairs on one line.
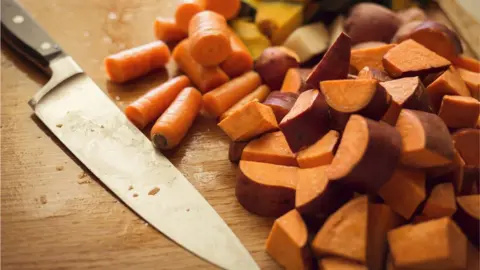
{"points": [[21, 32]]}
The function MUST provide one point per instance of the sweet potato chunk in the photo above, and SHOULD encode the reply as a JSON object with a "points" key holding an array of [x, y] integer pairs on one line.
{"points": [[404, 191], [235, 151], [307, 121], [436, 244], [467, 63], [270, 148], [410, 58], [295, 80], [449, 83], [467, 216], [347, 97], [251, 120], [441, 202], [459, 112], [426, 141], [373, 73], [287, 242], [281, 103], [334, 263], [319, 153], [467, 143], [344, 234], [367, 155], [266, 189], [472, 80], [369, 57], [452, 173]]}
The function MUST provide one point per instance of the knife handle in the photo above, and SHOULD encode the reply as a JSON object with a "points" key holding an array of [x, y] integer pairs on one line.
{"points": [[22, 33]]}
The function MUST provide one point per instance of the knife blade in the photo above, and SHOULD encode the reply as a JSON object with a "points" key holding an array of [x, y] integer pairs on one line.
{"points": [[91, 126]]}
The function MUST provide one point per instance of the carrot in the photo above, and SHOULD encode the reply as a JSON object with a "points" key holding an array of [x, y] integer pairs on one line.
{"points": [[240, 60], [467, 63], [209, 38], [136, 62], [369, 57], [205, 78], [227, 8], [270, 148], [185, 12], [259, 94], [281, 103], [459, 112], [373, 73], [174, 123], [219, 100], [319, 153], [287, 242], [410, 58], [151, 105], [472, 80], [441, 202], [167, 30], [467, 217], [295, 80], [448, 83]]}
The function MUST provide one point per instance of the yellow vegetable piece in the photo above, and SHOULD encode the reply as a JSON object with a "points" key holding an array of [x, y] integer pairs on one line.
{"points": [[248, 32], [277, 20]]}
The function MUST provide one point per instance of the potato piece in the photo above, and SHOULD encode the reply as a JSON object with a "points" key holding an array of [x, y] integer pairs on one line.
{"points": [[308, 41], [295, 80], [448, 83], [368, 45], [426, 142], [287, 242], [371, 22], [468, 217], [410, 58], [319, 153], [472, 80], [411, 15], [334, 263], [459, 112], [404, 191], [404, 31], [266, 189], [441, 202], [277, 20], [297, 127], [373, 73], [273, 64], [235, 151], [436, 244], [270, 148], [281, 103], [467, 143], [336, 28], [248, 32], [369, 57]]}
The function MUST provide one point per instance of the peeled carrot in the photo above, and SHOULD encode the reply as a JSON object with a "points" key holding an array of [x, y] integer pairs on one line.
{"points": [[205, 78], [185, 12], [240, 60], [259, 94], [136, 62], [168, 30], [219, 100], [151, 105], [209, 38], [174, 123], [227, 8]]}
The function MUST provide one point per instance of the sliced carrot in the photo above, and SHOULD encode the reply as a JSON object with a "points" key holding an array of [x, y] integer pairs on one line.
{"points": [[472, 80], [151, 105], [174, 123], [295, 80], [136, 62], [459, 112], [240, 60], [205, 78], [259, 94], [167, 30], [410, 58], [185, 11], [219, 100], [252, 120], [467, 63], [209, 38], [448, 83], [369, 57], [373, 73], [227, 8], [441, 202], [468, 217], [319, 153], [281, 103], [287, 242], [270, 148]]}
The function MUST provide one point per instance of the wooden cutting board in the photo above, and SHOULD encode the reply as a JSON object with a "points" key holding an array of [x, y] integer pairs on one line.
{"points": [[54, 216]]}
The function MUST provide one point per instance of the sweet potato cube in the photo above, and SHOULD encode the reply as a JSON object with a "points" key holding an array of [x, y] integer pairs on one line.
{"points": [[468, 217], [270, 148], [472, 80], [319, 153], [441, 202], [467, 143], [281, 103], [459, 112], [373, 73], [369, 57], [448, 83], [294, 80], [335, 263], [467, 63]]}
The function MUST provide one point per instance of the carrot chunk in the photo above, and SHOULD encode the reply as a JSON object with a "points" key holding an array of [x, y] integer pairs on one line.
{"points": [[259, 94], [467, 63], [185, 12], [448, 83], [468, 217], [369, 57], [281, 103], [270, 148], [174, 123], [459, 112], [240, 60], [136, 62], [205, 78], [319, 153], [151, 105], [227, 8], [167, 30], [472, 80], [441, 202]]}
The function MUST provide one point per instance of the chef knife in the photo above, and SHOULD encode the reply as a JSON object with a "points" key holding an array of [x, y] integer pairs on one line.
{"points": [[91, 126]]}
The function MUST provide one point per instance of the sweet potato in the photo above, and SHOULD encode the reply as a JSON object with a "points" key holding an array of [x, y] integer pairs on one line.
{"points": [[373, 73], [259, 94], [436, 244], [459, 112], [369, 57], [367, 148], [426, 141], [270, 148], [467, 217], [273, 64], [448, 83], [410, 58], [297, 126], [452, 173], [250, 121], [411, 15], [404, 191], [281, 103], [235, 151], [287, 242], [266, 189], [294, 80], [347, 97], [319, 153], [368, 45], [441, 202], [344, 234], [404, 31], [467, 143], [338, 55], [467, 63], [335, 263], [472, 80]]}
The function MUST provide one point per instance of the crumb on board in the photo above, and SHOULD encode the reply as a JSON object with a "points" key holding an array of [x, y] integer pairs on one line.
{"points": [[59, 168], [154, 191], [82, 175], [43, 199], [101, 126], [130, 187], [188, 209], [146, 224], [59, 125], [117, 98], [135, 195]]}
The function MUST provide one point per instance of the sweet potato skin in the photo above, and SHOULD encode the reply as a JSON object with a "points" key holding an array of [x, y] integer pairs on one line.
{"points": [[281, 103]]}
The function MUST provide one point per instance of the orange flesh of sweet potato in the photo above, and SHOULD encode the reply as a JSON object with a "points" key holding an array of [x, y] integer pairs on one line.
{"points": [[472, 80], [467, 63], [270, 148], [369, 57], [459, 112], [266, 189], [409, 58], [373, 73], [453, 173], [468, 217], [441, 202], [436, 244], [335, 263], [467, 143], [294, 81], [319, 153], [251, 120], [449, 83], [287, 242]]}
